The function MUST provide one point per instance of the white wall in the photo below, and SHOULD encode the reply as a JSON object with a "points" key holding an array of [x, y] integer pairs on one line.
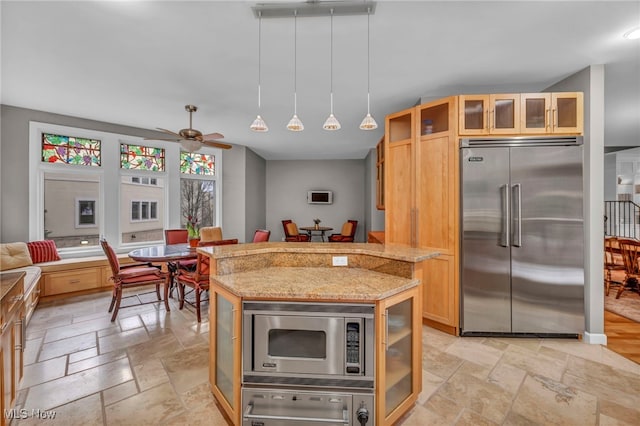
{"points": [[289, 181], [591, 82]]}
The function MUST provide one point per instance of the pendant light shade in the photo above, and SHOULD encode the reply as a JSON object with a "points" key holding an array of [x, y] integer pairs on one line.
{"points": [[190, 145], [368, 122], [295, 124], [259, 124], [332, 122]]}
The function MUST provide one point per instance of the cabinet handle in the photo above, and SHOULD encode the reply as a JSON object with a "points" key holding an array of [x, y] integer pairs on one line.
{"points": [[74, 281], [491, 123], [4, 327], [386, 329], [233, 324], [17, 298], [488, 119], [554, 118], [548, 121]]}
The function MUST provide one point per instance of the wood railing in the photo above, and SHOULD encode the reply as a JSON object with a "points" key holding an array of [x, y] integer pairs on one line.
{"points": [[621, 219]]}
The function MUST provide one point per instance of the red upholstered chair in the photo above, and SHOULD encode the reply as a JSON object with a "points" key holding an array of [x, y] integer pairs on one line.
{"points": [[291, 232], [178, 236], [133, 275], [347, 234], [261, 236], [197, 280]]}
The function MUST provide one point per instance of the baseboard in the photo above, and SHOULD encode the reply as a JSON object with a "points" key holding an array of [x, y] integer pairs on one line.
{"points": [[594, 338]]}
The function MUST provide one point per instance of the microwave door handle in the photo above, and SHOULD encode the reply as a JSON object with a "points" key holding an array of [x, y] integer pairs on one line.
{"points": [[248, 415], [506, 220]]}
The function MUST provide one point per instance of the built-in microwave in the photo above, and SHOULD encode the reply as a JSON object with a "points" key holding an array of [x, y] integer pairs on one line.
{"points": [[314, 344]]}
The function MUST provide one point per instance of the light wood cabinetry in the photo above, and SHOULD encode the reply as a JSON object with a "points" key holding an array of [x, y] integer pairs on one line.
{"points": [[399, 363], [489, 114], [31, 301], [225, 351], [422, 188], [422, 198], [552, 113], [11, 345]]}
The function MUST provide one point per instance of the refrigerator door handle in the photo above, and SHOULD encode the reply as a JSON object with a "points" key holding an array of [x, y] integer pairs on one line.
{"points": [[517, 216], [506, 220]]}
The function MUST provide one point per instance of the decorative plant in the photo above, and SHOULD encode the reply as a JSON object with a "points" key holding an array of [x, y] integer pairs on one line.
{"points": [[317, 221], [192, 227]]}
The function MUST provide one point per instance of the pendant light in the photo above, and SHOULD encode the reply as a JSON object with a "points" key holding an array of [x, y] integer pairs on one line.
{"points": [[259, 124], [332, 122], [295, 124], [368, 123]]}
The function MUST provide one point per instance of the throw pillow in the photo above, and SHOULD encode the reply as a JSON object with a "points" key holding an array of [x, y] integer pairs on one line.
{"points": [[43, 251]]}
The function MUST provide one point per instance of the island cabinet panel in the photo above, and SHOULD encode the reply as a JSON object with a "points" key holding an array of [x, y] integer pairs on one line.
{"points": [[441, 293], [225, 356], [399, 355]]}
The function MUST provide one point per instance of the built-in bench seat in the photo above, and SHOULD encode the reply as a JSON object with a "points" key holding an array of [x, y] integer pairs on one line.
{"points": [[59, 278], [67, 277]]}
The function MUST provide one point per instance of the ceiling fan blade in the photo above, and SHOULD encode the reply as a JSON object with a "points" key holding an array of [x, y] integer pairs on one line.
{"points": [[168, 131], [216, 144], [163, 139], [212, 136]]}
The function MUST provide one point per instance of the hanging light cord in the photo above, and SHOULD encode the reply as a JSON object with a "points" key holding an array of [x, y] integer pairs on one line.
{"points": [[259, 54], [331, 62], [368, 60], [295, 62]]}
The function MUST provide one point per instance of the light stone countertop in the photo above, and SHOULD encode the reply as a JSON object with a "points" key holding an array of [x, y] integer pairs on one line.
{"points": [[337, 283], [389, 251]]}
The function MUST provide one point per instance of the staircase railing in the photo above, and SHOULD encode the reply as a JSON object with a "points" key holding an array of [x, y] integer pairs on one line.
{"points": [[621, 219]]}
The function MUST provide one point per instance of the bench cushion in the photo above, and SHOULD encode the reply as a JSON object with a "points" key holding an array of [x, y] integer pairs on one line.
{"points": [[14, 255]]}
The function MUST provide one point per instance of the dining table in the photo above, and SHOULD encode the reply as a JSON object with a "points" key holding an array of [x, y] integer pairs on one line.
{"points": [[165, 253], [319, 230]]}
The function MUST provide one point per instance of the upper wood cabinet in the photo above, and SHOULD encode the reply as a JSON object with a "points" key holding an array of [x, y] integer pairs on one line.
{"points": [[555, 113], [497, 114]]}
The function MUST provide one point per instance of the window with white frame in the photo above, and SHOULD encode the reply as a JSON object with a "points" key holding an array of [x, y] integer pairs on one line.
{"points": [[88, 184]]}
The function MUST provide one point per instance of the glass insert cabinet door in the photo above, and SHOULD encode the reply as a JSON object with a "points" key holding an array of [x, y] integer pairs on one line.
{"points": [[225, 368], [489, 114], [398, 354]]}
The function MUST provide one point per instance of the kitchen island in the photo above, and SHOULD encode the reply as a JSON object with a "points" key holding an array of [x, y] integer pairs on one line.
{"points": [[365, 315]]}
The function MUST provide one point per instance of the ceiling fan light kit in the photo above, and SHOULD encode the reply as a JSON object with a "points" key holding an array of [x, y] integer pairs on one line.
{"points": [[313, 8]]}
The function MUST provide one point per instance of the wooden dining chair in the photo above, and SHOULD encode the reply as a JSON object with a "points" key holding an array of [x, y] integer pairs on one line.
{"points": [[613, 263], [197, 280], [630, 250], [133, 275]]}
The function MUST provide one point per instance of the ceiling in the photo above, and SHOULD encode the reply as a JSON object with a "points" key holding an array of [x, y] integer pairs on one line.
{"points": [[139, 63]]}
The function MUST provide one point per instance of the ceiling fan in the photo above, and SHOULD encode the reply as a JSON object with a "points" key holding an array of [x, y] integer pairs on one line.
{"points": [[192, 139]]}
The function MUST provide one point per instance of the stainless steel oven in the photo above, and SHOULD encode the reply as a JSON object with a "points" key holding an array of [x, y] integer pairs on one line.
{"points": [[308, 344], [269, 407]]}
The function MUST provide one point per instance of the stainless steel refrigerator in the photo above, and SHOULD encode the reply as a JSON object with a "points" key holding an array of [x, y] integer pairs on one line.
{"points": [[522, 263]]}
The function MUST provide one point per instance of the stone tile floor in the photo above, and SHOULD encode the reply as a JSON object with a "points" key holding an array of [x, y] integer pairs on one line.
{"points": [[151, 367]]}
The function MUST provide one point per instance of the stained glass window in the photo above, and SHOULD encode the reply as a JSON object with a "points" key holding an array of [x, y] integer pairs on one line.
{"points": [[138, 157], [70, 150], [192, 163]]}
